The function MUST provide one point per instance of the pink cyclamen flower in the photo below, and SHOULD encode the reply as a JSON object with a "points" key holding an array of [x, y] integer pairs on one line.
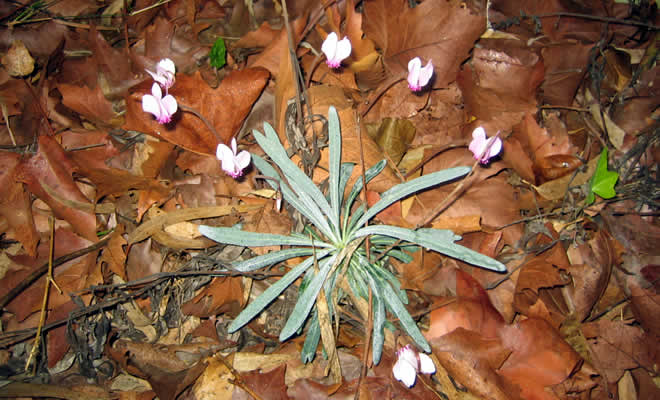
{"points": [[233, 164], [164, 75], [409, 363], [419, 77], [483, 148], [335, 50], [161, 107]]}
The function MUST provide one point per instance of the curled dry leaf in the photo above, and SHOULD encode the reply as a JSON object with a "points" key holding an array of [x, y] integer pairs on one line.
{"points": [[48, 175]]}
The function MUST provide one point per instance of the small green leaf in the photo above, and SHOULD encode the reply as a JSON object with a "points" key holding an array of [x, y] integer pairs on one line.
{"points": [[218, 54], [603, 181]]}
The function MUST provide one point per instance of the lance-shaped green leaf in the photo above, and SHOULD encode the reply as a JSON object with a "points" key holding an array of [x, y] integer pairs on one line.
{"points": [[308, 298], [438, 240], [272, 146], [311, 340], [404, 189], [272, 292], [334, 164], [272, 258], [399, 310], [369, 174], [238, 237], [309, 210]]}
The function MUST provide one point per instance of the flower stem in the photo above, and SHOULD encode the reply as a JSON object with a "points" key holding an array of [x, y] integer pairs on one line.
{"points": [[196, 113]]}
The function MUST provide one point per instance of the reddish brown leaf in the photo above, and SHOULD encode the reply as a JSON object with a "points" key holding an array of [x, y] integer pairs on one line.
{"points": [[436, 30], [591, 270], [225, 108], [471, 310], [564, 71], [472, 360], [268, 385], [222, 295], [645, 304], [48, 175], [500, 83], [15, 204], [616, 346], [539, 358], [114, 254], [270, 57], [166, 371], [552, 151], [71, 276], [90, 103]]}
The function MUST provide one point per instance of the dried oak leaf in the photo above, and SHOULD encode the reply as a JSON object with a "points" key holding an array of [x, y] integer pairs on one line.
{"points": [[436, 30], [539, 358], [15, 204], [90, 103], [225, 108], [472, 311], [268, 385], [48, 175], [222, 295], [616, 346], [72, 276]]}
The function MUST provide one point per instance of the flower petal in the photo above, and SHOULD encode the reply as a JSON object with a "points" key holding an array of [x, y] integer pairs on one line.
{"points": [[426, 364], [169, 104], [414, 66], [242, 159], [233, 145], [156, 92], [404, 372], [425, 74], [343, 49], [495, 148], [150, 105], [223, 152], [329, 46]]}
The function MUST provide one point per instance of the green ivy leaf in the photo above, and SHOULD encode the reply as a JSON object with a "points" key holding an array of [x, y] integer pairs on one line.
{"points": [[218, 54], [602, 183]]}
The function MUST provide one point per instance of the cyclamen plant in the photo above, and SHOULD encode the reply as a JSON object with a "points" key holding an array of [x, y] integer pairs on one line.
{"points": [[333, 243]]}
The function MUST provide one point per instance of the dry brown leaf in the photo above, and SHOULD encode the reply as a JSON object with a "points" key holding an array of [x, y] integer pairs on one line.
{"points": [[268, 385], [15, 204], [90, 103], [590, 271], [165, 367], [472, 360], [436, 30], [48, 175], [616, 346], [72, 276], [539, 358], [472, 310], [225, 108], [222, 295]]}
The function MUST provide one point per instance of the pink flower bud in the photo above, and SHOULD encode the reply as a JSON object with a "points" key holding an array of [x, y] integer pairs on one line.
{"points": [[161, 107], [335, 50], [483, 148], [419, 77], [164, 75], [233, 164]]}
